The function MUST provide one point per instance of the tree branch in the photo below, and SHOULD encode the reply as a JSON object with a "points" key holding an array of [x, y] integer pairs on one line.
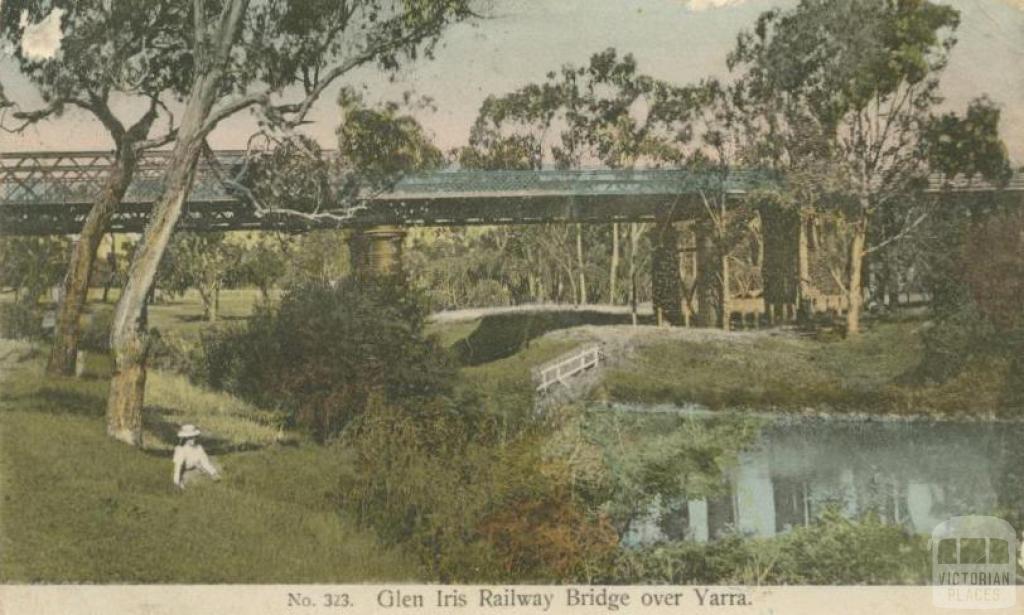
{"points": [[156, 142], [907, 229], [27, 118], [231, 107], [300, 109]]}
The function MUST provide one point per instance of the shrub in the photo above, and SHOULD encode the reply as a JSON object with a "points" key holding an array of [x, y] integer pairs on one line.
{"points": [[95, 334], [951, 340], [413, 483], [173, 352], [20, 320], [327, 349], [472, 502], [840, 551], [832, 551]]}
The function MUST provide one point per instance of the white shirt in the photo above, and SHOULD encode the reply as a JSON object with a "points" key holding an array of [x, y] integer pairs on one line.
{"points": [[187, 458]]}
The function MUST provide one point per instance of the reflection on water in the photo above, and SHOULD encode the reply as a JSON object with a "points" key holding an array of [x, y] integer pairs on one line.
{"points": [[913, 474]]}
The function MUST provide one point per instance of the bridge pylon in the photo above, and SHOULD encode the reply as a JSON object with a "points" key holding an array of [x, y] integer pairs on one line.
{"points": [[376, 251]]}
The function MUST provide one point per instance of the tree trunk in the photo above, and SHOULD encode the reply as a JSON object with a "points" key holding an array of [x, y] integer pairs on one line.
{"points": [[128, 341], [580, 264], [112, 263], [634, 242], [64, 351], [127, 389], [613, 272], [803, 292], [707, 276], [854, 283], [208, 295], [723, 288]]}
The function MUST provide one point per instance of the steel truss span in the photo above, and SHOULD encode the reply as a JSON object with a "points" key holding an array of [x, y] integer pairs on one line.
{"points": [[47, 193]]}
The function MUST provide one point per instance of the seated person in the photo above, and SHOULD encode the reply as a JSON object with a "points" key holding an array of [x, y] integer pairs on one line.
{"points": [[190, 459]]}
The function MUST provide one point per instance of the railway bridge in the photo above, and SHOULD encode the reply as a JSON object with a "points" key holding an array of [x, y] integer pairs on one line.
{"points": [[44, 193]]}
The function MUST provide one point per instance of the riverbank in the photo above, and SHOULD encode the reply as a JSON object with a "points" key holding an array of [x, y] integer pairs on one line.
{"points": [[782, 371], [79, 507], [774, 371]]}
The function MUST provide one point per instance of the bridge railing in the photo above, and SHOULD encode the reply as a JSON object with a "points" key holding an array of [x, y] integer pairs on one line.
{"points": [[566, 366]]}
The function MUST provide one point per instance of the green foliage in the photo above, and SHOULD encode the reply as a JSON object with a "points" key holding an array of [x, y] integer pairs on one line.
{"points": [[960, 334], [81, 508], [95, 334], [473, 502], [413, 483], [317, 257], [325, 351], [134, 47], [382, 143], [264, 262], [832, 551], [20, 320], [968, 145], [293, 179], [203, 261], [651, 458], [31, 265]]}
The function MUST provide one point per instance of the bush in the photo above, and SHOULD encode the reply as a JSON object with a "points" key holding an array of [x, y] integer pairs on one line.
{"points": [[832, 551], [951, 340], [473, 503], [20, 320], [173, 352], [326, 350], [95, 334]]}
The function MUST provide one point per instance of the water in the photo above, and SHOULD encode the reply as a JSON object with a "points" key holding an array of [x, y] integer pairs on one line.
{"points": [[914, 474]]}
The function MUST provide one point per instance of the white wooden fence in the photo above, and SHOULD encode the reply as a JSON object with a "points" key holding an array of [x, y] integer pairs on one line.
{"points": [[566, 366]]}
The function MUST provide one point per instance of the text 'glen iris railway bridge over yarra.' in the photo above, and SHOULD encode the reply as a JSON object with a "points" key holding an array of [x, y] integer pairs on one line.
{"points": [[44, 193]]}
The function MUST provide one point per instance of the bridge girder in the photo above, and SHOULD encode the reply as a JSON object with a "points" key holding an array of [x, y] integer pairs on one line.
{"points": [[43, 193]]}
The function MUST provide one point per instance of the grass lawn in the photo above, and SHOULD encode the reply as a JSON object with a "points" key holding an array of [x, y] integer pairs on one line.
{"points": [[183, 315], [79, 507], [870, 374]]}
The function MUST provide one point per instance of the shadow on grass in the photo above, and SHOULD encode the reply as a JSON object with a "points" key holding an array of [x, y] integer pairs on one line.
{"points": [[503, 335], [167, 432], [61, 401], [201, 318]]}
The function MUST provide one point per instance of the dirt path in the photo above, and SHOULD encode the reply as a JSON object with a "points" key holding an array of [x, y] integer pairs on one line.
{"points": [[475, 313]]}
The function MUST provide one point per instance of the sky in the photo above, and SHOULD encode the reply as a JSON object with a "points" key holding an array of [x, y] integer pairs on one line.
{"points": [[521, 40]]}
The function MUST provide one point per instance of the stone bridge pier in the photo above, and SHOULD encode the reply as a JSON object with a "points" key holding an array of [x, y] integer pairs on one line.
{"points": [[376, 251]]}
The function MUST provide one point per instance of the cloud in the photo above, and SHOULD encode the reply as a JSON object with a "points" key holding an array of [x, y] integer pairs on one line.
{"points": [[41, 41], [703, 5]]}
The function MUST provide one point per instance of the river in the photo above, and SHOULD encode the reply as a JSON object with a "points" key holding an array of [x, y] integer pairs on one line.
{"points": [[912, 473]]}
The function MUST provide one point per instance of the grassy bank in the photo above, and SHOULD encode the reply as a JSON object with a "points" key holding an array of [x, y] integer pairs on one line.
{"points": [[79, 507], [875, 373]]}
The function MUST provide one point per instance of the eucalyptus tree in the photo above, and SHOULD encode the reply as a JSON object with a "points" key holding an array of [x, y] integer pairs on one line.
{"points": [[633, 120], [848, 105], [578, 116], [277, 57], [513, 131], [116, 52], [617, 122], [204, 262], [30, 265], [697, 127]]}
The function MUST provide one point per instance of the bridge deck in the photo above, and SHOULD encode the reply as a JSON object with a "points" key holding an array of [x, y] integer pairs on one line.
{"points": [[51, 192]]}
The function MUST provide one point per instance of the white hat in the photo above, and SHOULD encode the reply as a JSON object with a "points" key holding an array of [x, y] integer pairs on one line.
{"points": [[188, 431]]}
